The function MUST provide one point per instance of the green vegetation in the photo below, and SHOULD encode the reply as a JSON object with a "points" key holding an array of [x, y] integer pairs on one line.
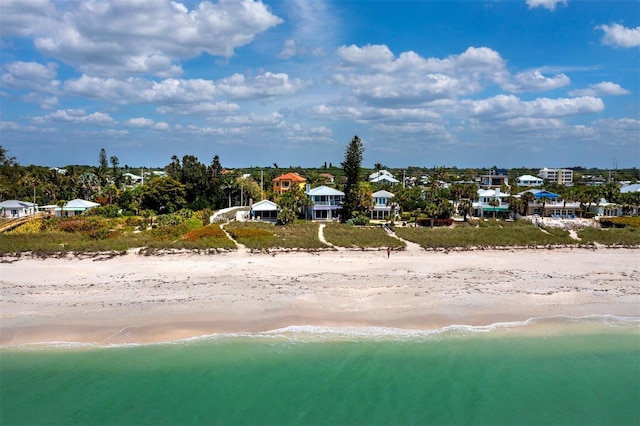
{"points": [[490, 234], [628, 236], [621, 222], [266, 236], [348, 236], [98, 234]]}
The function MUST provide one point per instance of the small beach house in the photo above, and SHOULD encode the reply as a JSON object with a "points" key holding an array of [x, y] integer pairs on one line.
{"points": [[265, 210], [12, 209]]}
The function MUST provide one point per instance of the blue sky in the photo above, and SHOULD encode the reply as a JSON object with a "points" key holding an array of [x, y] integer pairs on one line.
{"points": [[510, 83]]}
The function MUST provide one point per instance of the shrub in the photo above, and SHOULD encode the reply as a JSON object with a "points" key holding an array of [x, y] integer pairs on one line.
{"points": [[358, 221], [209, 231]]}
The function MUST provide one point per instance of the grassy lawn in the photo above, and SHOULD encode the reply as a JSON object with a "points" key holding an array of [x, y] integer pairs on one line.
{"points": [[343, 235], [509, 234], [264, 236]]}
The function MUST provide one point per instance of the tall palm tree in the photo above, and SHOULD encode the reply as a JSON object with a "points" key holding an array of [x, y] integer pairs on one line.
{"points": [[494, 203], [527, 198]]}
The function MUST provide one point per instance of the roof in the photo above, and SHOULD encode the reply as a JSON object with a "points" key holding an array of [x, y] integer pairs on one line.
{"points": [[544, 193], [265, 205], [382, 194], [383, 178], [635, 187], [381, 173], [292, 176], [491, 193], [324, 190], [529, 177], [80, 203], [16, 204]]}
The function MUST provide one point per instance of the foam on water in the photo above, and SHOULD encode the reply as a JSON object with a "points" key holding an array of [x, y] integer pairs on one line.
{"points": [[540, 326]]}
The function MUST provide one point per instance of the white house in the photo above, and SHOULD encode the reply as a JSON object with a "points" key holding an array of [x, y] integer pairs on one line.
{"points": [[383, 176], [265, 210], [382, 208], [528, 180], [15, 208], [485, 199], [76, 207], [326, 203]]}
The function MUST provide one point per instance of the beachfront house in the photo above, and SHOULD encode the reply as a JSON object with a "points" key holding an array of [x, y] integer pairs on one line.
{"points": [[13, 209], [492, 203], [75, 207], [284, 182], [326, 202], [265, 210], [382, 206], [549, 204]]}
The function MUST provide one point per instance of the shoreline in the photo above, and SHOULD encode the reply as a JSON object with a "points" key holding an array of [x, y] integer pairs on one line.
{"points": [[132, 299]]}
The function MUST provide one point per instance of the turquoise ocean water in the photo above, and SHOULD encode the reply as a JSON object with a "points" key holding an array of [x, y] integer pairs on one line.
{"points": [[546, 371]]}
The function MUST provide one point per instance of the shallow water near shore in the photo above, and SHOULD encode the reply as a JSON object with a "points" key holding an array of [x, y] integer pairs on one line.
{"points": [[543, 371]]}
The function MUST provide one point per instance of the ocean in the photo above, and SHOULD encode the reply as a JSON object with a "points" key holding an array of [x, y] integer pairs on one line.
{"points": [[555, 371]]}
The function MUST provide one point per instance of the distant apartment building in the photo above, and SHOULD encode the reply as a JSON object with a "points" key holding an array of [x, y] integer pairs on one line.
{"points": [[561, 176]]}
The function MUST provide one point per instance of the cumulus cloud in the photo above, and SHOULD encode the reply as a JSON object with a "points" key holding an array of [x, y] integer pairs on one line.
{"points": [[547, 4], [509, 106], [618, 36], [144, 37], [536, 81], [78, 116], [21, 75], [139, 90], [605, 88], [201, 108], [140, 122], [239, 87], [377, 77]]}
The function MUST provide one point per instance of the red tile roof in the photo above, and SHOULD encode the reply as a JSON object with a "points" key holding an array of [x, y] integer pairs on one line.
{"points": [[290, 176]]}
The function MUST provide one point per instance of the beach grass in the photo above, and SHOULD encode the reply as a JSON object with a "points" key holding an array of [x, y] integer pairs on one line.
{"points": [[628, 236], [266, 236], [489, 234], [348, 236]]}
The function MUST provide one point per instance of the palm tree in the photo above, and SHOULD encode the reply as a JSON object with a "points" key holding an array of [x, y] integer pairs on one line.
{"points": [[465, 208], [526, 198], [544, 201], [494, 203]]}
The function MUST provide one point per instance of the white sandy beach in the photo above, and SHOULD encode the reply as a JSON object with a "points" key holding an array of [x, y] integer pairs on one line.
{"points": [[141, 299]]}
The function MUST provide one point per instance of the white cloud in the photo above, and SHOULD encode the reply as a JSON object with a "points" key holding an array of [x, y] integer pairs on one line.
{"points": [[536, 81], [376, 77], [288, 50], [23, 75], [547, 4], [618, 36], [509, 106], [145, 37], [202, 108], [140, 122], [239, 87], [600, 89], [79, 116], [138, 90]]}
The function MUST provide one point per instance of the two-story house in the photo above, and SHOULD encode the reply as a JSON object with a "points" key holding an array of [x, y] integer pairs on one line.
{"points": [[326, 203], [382, 207], [284, 182]]}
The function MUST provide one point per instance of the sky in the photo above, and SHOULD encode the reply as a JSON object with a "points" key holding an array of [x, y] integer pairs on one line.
{"points": [[511, 83]]}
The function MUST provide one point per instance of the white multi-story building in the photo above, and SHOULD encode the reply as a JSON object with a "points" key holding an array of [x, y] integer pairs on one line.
{"points": [[561, 176]]}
